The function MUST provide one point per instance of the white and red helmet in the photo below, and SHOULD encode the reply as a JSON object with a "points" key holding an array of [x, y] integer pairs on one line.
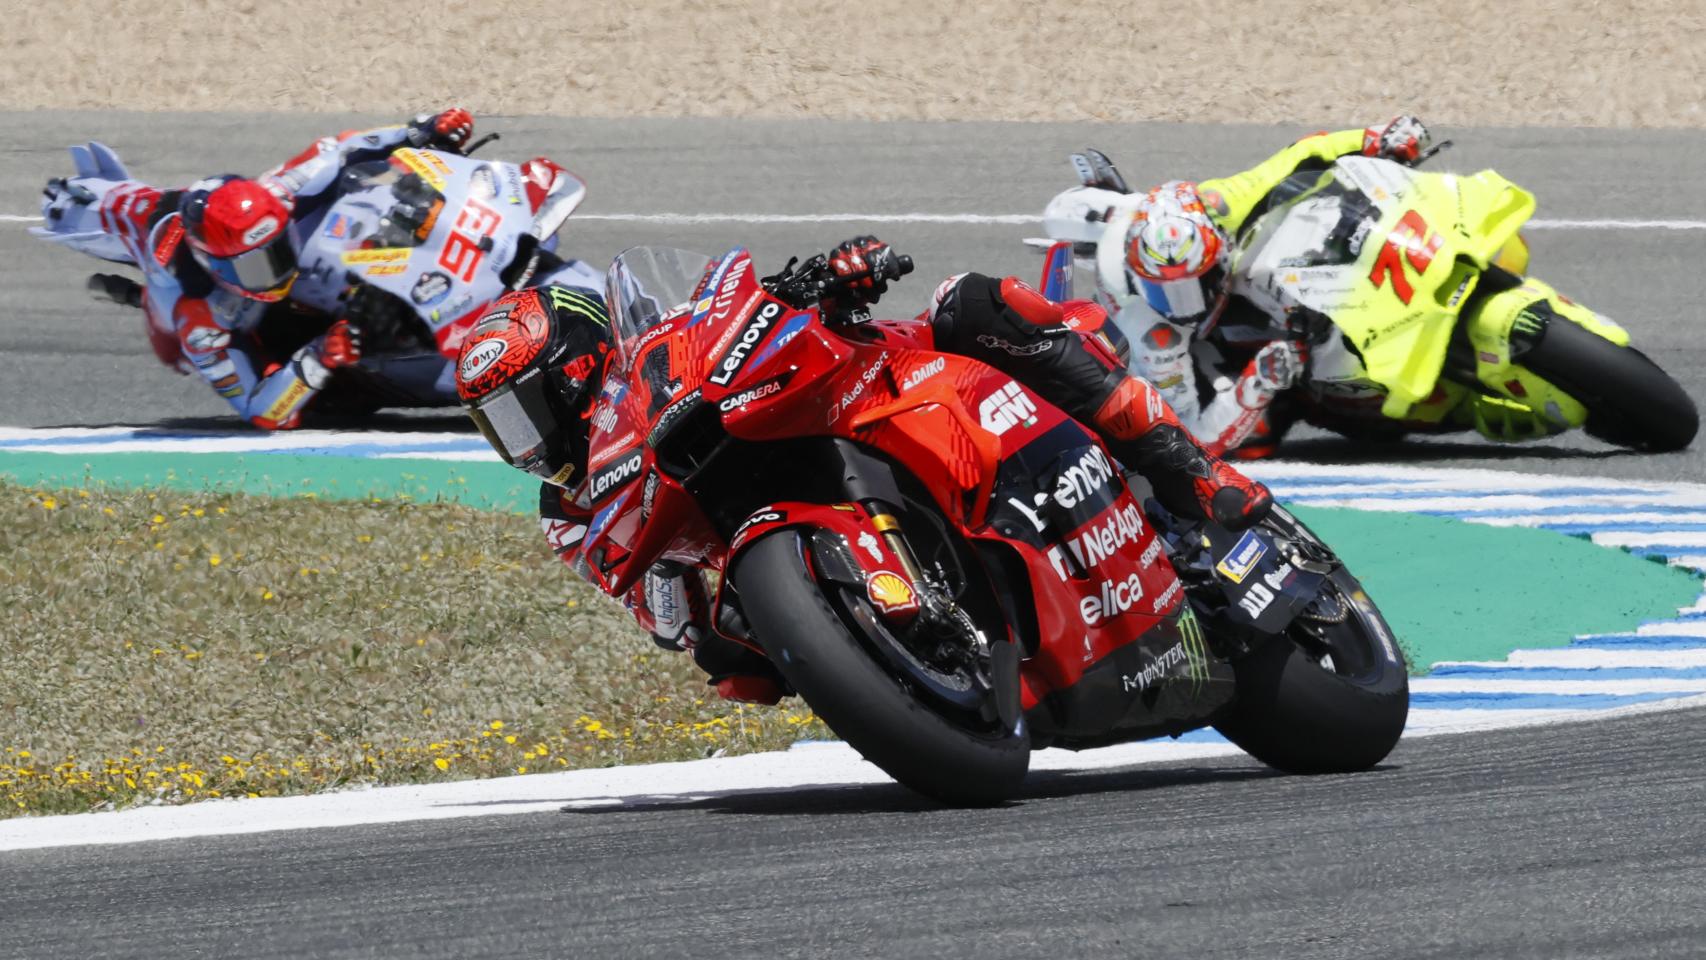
{"points": [[1173, 254], [239, 232]]}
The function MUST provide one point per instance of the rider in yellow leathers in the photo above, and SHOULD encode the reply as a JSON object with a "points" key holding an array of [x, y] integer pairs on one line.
{"points": [[1164, 271]]}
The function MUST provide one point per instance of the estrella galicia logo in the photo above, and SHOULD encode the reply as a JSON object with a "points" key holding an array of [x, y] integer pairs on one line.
{"points": [[613, 475], [430, 288], [750, 337]]}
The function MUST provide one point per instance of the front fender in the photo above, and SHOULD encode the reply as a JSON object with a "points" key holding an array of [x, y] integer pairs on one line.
{"points": [[848, 548]]}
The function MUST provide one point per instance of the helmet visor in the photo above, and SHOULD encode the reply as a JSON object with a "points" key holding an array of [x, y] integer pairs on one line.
{"points": [[518, 421], [1178, 300], [265, 272]]}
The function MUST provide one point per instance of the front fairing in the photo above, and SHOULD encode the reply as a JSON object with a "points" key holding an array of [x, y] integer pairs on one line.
{"points": [[442, 250], [1387, 253]]}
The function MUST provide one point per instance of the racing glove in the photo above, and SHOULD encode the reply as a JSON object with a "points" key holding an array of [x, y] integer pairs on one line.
{"points": [[864, 264], [450, 130], [1276, 367], [1403, 138]]}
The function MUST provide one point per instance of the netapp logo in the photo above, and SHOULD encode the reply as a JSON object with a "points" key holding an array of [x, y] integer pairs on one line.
{"points": [[756, 330]]}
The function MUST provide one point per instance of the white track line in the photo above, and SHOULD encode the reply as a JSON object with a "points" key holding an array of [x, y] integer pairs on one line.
{"points": [[812, 766], [689, 219]]}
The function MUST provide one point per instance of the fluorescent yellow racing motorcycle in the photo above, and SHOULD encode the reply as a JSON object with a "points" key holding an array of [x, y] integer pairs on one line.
{"points": [[1408, 293]]}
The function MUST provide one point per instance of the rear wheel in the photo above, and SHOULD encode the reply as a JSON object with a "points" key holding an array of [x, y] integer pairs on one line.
{"points": [[1332, 694], [955, 756], [1630, 401]]}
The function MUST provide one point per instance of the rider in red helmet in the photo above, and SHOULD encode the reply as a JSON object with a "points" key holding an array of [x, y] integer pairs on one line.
{"points": [[239, 232], [227, 254]]}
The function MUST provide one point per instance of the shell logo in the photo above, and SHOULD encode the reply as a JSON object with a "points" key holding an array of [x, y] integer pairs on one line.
{"points": [[890, 592]]}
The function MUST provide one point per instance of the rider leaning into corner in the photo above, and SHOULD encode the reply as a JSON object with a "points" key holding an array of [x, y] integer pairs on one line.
{"points": [[227, 256], [556, 346], [1162, 270]]}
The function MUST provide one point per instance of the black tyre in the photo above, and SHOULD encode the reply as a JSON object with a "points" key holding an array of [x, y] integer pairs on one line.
{"points": [[1330, 696], [952, 759], [1630, 401]]}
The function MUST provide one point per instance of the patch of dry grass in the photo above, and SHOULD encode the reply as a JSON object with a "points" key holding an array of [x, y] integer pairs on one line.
{"points": [[163, 646]]}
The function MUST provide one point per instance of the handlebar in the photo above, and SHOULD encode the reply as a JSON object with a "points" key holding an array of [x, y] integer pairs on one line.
{"points": [[813, 281]]}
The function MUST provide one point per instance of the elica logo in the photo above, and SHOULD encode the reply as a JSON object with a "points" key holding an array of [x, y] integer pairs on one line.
{"points": [[1113, 600], [1083, 479], [1006, 408], [925, 372], [477, 359], [755, 331], [607, 480], [754, 395]]}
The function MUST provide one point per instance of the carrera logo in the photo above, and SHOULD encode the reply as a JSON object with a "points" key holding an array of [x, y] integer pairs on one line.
{"points": [[477, 359], [263, 228], [735, 357], [606, 481], [741, 399], [924, 373], [1113, 600], [1006, 408]]}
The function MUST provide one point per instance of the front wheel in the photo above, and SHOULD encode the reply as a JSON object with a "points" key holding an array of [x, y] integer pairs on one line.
{"points": [[1332, 694], [954, 758], [1631, 401]]}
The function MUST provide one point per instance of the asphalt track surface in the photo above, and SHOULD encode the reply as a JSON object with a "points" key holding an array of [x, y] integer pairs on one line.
{"points": [[1570, 841], [1581, 841], [52, 335]]}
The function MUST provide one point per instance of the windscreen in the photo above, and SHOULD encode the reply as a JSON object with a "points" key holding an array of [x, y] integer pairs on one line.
{"points": [[647, 284]]}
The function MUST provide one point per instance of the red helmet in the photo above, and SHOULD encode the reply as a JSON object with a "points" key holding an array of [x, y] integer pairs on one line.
{"points": [[529, 373], [239, 231]]}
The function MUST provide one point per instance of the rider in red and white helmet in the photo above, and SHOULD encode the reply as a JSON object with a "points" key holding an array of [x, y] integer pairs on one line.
{"points": [[1173, 255], [239, 232], [226, 251], [1164, 272]]}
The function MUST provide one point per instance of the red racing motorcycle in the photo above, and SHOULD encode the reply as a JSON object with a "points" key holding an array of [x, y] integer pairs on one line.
{"points": [[948, 569]]}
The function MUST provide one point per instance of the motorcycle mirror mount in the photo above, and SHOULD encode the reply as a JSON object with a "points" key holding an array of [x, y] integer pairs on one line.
{"points": [[1430, 152], [468, 151]]}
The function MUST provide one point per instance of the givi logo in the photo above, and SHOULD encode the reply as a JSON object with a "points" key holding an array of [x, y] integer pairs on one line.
{"points": [[1006, 408]]}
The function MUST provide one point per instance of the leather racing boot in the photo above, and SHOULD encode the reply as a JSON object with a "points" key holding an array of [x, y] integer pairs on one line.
{"points": [[1143, 432]]}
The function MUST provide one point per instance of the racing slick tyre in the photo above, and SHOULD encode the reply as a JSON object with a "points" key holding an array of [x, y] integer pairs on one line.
{"points": [[947, 759], [1332, 694], [1631, 402]]}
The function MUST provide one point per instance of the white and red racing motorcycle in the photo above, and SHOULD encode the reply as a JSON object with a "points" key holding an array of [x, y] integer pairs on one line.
{"points": [[440, 234]]}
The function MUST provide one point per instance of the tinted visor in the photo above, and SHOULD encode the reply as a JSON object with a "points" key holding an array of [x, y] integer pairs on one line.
{"points": [[265, 270], [519, 421]]}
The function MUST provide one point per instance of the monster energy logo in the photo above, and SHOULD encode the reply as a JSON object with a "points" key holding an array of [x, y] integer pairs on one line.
{"points": [[1196, 648], [565, 299], [1528, 323], [1191, 651]]}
